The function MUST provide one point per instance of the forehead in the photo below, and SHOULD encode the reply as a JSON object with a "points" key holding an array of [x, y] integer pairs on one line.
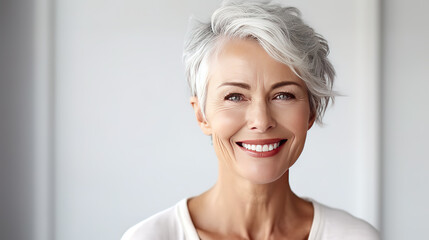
{"points": [[246, 58]]}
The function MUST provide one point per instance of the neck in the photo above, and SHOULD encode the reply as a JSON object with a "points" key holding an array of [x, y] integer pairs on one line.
{"points": [[241, 192], [251, 211]]}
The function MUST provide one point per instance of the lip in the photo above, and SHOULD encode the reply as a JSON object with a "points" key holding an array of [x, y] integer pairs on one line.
{"points": [[262, 142]]}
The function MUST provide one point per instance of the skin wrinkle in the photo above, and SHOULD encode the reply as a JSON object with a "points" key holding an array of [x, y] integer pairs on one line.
{"points": [[252, 198], [222, 150]]}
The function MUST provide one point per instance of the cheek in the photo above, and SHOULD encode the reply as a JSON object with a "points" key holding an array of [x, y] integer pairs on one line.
{"points": [[295, 117], [225, 121], [300, 120], [296, 120]]}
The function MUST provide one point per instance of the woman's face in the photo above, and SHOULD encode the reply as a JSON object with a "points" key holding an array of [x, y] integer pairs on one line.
{"points": [[257, 112]]}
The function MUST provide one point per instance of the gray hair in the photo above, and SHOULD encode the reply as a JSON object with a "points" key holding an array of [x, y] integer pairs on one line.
{"points": [[282, 34]]}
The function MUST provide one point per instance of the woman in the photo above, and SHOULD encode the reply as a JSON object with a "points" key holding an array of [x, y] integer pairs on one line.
{"points": [[260, 78]]}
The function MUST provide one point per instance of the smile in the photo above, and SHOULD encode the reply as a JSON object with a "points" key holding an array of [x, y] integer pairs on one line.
{"points": [[262, 148]]}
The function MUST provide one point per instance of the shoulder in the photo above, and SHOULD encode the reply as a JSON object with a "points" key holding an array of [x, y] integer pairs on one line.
{"points": [[338, 224], [164, 225]]}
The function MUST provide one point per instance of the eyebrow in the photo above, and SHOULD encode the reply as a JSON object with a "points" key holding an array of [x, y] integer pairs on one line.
{"points": [[247, 86], [236, 84], [285, 83]]}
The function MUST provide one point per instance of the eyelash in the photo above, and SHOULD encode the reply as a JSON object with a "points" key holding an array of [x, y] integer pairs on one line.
{"points": [[232, 95], [288, 96]]}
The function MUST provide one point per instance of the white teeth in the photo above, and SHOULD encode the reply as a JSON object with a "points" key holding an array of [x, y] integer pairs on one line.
{"points": [[261, 148], [265, 148]]}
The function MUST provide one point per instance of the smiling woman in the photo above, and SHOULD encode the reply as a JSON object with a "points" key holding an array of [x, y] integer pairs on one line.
{"points": [[260, 78]]}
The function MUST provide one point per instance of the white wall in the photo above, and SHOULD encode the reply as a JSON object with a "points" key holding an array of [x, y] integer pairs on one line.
{"points": [[124, 125], [405, 119], [127, 143]]}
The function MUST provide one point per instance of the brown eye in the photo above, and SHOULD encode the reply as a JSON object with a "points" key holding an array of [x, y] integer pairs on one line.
{"points": [[284, 96], [234, 97]]}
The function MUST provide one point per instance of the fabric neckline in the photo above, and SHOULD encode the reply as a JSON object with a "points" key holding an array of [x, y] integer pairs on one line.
{"points": [[317, 221], [185, 220]]}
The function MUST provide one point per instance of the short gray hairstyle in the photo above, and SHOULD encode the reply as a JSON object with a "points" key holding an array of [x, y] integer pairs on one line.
{"points": [[279, 30]]}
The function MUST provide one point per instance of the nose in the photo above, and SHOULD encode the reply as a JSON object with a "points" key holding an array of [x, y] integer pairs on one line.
{"points": [[259, 117]]}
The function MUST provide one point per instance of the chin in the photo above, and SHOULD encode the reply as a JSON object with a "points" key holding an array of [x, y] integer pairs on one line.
{"points": [[263, 175]]}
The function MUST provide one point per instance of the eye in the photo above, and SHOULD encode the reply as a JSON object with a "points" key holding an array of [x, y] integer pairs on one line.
{"points": [[284, 96], [234, 97]]}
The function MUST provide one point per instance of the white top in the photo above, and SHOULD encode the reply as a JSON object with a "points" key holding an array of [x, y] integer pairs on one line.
{"points": [[175, 224]]}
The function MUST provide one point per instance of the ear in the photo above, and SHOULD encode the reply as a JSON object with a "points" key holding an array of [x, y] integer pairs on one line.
{"points": [[202, 122], [311, 120]]}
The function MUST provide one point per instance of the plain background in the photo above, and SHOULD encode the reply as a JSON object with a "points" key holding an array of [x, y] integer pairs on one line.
{"points": [[97, 132]]}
